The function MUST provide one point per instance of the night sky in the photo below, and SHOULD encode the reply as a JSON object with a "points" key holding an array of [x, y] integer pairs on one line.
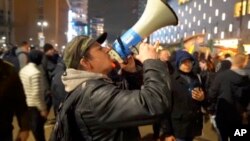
{"points": [[119, 15]]}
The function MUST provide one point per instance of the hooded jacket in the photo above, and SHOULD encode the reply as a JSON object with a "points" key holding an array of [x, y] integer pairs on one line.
{"points": [[113, 114]]}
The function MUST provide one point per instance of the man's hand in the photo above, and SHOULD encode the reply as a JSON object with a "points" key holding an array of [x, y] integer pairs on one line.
{"points": [[129, 66], [198, 94], [22, 136], [147, 51]]}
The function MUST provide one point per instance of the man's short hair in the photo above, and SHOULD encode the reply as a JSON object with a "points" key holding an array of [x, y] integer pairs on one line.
{"points": [[47, 47], [77, 47]]}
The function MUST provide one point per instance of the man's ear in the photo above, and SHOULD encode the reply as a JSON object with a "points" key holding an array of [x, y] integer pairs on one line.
{"points": [[85, 64]]}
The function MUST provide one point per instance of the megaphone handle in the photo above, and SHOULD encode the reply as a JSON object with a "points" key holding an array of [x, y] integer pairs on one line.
{"points": [[122, 48]]}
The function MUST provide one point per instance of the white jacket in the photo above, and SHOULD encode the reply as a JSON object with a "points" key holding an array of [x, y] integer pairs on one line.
{"points": [[33, 83]]}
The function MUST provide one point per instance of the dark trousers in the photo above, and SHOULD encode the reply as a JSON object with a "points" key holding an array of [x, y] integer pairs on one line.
{"points": [[156, 129], [37, 124]]}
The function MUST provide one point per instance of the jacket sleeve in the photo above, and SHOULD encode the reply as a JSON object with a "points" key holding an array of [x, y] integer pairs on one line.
{"points": [[114, 107]]}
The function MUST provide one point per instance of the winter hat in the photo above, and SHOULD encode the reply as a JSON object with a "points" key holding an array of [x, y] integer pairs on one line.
{"points": [[76, 48], [181, 56]]}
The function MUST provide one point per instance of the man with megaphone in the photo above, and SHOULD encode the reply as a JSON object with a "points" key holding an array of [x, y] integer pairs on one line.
{"points": [[101, 111]]}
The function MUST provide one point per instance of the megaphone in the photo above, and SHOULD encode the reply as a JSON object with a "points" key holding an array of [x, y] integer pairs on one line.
{"points": [[157, 14]]}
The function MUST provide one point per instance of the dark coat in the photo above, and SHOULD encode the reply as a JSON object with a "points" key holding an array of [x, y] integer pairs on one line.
{"points": [[230, 94], [186, 116], [113, 114], [12, 101]]}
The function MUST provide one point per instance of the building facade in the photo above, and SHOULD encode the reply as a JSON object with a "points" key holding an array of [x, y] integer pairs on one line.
{"points": [[217, 19], [19, 21]]}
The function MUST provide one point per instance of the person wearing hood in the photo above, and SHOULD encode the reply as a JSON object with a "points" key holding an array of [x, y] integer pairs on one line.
{"points": [[185, 121], [109, 112], [230, 92]]}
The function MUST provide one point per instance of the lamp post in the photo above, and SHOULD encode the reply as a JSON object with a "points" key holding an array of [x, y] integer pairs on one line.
{"points": [[41, 36]]}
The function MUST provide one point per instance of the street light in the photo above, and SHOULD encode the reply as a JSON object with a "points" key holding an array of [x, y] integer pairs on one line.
{"points": [[42, 24], [41, 36]]}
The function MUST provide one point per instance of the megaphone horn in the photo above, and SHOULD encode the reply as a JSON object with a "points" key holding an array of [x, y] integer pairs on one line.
{"points": [[157, 14]]}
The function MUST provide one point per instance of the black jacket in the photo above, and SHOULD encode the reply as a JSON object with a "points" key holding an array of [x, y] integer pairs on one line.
{"points": [[230, 95], [12, 101], [185, 120], [113, 114]]}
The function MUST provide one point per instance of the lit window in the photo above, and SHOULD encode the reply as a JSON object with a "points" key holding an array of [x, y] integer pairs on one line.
{"points": [[186, 8], [190, 11], [185, 34], [193, 33], [209, 20], [204, 16], [223, 17], [205, 1], [217, 12], [185, 21], [181, 27], [199, 23], [215, 30], [199, 7], [195, 4], [248, 24], [211, 3], [182, 14], [230, 29], [168, 40], [172, 36], [225, 0], [189, 25], [178, 35], [166, 37], [222, 34], [194, 19], [179, 11], [174, 39], [208, 36], [203, 31]]}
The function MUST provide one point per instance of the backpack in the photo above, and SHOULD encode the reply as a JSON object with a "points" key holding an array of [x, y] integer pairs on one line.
{"points": [[66, 128], [12, 57]]}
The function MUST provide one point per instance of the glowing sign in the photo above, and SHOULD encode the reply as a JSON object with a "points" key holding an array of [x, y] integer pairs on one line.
{"points": [[229, 43]]}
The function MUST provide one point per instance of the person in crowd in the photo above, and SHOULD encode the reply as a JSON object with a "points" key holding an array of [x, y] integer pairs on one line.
{"points": [[207, 72], [22, 54], [112, 113], [185, 121], [164, 55], [12, 103], [230, 93], [49, 63], [247, 68], [33, 83], [228, 57], [57, 87]]}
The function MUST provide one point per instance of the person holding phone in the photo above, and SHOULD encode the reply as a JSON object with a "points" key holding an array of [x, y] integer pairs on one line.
{"points": [[185, 121]]}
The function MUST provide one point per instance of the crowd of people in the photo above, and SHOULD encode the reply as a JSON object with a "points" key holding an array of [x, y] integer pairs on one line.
{"points": [[96, 98]]}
